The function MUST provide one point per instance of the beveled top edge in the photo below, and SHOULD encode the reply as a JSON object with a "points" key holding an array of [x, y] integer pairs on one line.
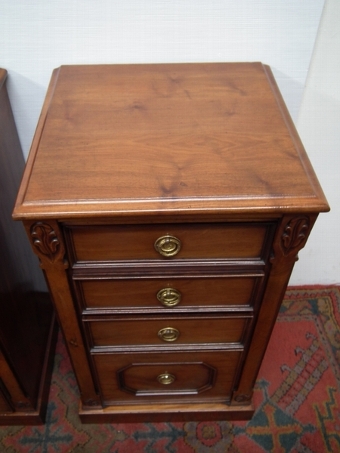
{"points": [[105, 209], [19, 203], [173, 63]]}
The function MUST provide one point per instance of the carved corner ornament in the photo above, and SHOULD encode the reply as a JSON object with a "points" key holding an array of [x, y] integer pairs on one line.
{"points": [[295, 234], [46, 242]]}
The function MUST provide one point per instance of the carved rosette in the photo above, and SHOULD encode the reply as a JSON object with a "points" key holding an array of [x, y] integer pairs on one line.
{"points": [[295, 234], [45, 239]]}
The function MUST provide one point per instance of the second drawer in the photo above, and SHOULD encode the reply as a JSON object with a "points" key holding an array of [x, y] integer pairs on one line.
{"points": [[166, 331], [168, 292]]}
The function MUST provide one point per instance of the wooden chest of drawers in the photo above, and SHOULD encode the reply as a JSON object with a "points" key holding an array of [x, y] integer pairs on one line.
{"points": [[27, 321], [167, 204]]}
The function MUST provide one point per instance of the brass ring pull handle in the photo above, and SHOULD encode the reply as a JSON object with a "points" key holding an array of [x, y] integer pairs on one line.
{"points": [[168, 334], [166, 378], [169, 297], [168, 246]]}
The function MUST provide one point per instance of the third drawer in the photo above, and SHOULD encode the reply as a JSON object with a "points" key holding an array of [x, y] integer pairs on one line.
{"points": [[162, 331]]}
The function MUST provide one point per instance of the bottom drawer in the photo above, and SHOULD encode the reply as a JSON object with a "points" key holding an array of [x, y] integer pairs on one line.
{"points": [[136, 378]]}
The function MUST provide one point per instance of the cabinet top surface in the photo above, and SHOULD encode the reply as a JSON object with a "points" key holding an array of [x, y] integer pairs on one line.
{"points": [[167, 138]]}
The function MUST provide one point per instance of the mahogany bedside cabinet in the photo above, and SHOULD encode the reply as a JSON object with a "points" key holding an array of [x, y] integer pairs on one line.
{"points": [[167, 204], [27, 320]]}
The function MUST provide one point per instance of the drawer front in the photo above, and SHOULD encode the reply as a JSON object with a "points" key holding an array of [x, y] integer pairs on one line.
{"points": [[138, 378], [167, 293], [178, 241], [169, 331]]}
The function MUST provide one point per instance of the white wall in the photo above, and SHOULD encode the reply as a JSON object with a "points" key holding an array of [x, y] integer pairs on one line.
{"points": [[319, 127], [38, 35]]}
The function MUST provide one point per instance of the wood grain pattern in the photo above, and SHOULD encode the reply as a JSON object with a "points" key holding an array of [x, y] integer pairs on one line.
{"points": [[156, 138]]}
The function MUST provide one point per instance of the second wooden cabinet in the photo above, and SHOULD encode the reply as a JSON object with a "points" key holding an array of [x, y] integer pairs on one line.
{"points": [[27, 321]]}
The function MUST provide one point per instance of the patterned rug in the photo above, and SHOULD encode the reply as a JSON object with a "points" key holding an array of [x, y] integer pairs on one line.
{"points": [[297, 399]]}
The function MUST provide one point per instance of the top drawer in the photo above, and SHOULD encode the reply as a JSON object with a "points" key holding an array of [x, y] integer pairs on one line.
{"points": [[168, 241]]}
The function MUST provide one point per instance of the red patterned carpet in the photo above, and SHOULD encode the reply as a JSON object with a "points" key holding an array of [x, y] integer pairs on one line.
{"points": [[297, 399]]}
